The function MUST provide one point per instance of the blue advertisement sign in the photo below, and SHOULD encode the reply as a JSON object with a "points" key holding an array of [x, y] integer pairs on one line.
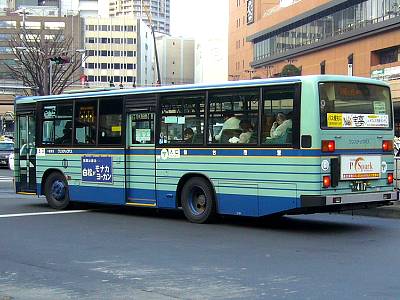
{"points": [[97, 169]]}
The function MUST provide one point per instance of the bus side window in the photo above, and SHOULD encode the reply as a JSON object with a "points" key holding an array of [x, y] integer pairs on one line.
{"points": [[233, 116], [182, 119], [85, 122], [278, 116]]}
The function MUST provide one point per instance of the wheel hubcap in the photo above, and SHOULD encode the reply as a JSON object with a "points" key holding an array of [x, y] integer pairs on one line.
{"points": [[198, 201], [58, 190]]}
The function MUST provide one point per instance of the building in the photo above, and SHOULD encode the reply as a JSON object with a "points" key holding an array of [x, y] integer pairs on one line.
{"points": [[85, 8], [211, 60], [119, 51], [176, 60], [158, 9], [360, 38], [12, 24]]}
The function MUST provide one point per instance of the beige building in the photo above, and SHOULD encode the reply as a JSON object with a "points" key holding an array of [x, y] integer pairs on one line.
{"points": [[119, 51], [176, 59], [159, 10], [12, 24]]}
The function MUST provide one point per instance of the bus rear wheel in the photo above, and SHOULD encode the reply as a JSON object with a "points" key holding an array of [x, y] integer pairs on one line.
{"points": [[198, 201], [56, 191]]}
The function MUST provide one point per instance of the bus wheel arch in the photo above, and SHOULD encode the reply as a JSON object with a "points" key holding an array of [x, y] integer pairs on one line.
{"points": [[193, 189], [46, 174], [56, 189]]}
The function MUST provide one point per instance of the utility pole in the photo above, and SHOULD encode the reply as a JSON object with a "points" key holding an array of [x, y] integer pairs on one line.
{"points": [[147, 11]]}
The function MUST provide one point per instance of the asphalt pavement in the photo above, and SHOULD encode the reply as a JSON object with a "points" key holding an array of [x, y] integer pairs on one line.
{"points": [[97, 252]]}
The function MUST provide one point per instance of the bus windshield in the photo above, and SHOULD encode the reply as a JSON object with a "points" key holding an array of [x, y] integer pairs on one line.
{"points": [[355, 105]]}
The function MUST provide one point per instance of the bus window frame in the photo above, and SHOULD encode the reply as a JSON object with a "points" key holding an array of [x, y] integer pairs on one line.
{"points": [[233, 145], [158, 118], [123, 120], [297, 101], [40, 120], [296, 120], [355, 128]]}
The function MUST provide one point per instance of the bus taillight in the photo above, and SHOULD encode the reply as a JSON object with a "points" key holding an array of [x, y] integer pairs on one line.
{"points": [[328, 146], [390, 178], [326, 182], [387, 145]]}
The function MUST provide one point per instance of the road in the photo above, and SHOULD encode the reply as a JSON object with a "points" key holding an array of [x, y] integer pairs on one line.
{"points": [[98, 252]]}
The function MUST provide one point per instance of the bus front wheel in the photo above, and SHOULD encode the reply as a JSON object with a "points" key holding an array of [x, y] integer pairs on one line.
{"points": [[56, 191], [198, 201]]}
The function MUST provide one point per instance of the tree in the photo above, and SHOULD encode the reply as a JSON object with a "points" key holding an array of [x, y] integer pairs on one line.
{"points": [[290, 70], [34, 51]]}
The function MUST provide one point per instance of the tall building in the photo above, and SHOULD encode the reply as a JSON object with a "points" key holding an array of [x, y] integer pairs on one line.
{"points": [[119, 51], [357, 37], [158, 9], [335, 37], [176, 60], [211, 60], [85, 8]]}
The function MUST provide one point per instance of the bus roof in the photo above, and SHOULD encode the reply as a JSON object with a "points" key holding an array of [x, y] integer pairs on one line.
{"points": [[195, 87]]}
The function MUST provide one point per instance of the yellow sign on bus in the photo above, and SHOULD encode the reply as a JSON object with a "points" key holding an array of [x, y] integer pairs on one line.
{"points": [[335, 120]]}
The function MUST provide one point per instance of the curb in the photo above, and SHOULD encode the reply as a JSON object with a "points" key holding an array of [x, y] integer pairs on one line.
{"points": [[390, 212]]}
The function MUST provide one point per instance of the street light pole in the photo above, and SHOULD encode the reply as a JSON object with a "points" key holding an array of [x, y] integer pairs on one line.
{"points": [[146, 9]]}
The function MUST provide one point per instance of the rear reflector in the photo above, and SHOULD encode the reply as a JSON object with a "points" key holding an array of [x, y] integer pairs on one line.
{"points": [[326, 181], [328, 146]]}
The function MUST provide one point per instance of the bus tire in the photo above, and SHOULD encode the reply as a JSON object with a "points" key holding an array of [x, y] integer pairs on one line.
{"points": [[56, 191], [198, 201]]}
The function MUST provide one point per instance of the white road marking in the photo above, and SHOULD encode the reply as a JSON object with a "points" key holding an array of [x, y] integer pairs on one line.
{"points": [[44, 213]]}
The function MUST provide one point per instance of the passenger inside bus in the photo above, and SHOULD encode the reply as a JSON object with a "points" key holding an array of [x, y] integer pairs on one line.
{"points": [[230, 123], [280, 129], [188, 135]]}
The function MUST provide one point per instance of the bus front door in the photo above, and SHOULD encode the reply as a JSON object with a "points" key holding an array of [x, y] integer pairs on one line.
{"points": [[25, 154], [140, 159]]}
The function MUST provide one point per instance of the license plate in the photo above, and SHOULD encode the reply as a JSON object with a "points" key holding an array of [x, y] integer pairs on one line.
{"points": [[358, 186]]}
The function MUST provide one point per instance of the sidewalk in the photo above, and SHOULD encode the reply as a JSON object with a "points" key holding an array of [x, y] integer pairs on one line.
{"points": [[392, 211]]}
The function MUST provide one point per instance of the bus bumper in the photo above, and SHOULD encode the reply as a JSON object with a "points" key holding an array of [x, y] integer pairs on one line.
{"points": [[333, 200]]}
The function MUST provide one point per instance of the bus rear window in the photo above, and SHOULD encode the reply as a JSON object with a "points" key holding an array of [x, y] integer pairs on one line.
{"points": [[355, 105]]}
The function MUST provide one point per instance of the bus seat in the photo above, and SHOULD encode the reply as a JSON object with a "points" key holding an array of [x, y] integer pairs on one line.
{"points": [[226, 134], [197, 139], [289, 136]]}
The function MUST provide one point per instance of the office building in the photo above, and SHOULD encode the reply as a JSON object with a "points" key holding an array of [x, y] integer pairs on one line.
{"points": [[158, 9], [176, 59], [119, 51], [359, 38]]}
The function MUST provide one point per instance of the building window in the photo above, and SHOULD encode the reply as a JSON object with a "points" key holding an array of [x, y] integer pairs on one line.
{"points": [[387, 56], [325, 25], [103, 27], [129, 53]]}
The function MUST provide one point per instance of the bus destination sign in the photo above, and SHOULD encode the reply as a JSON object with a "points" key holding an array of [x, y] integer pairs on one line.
{"points": [[97, 169]]}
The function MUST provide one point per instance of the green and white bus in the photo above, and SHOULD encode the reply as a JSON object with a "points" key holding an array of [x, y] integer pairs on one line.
{"points": [[249, 148]]}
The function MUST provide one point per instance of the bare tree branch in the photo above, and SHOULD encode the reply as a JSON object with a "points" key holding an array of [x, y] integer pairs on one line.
{"points": [[33, 51]]}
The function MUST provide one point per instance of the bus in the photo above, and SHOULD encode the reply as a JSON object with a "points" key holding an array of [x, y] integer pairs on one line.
{"points": [[293, 145]]}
